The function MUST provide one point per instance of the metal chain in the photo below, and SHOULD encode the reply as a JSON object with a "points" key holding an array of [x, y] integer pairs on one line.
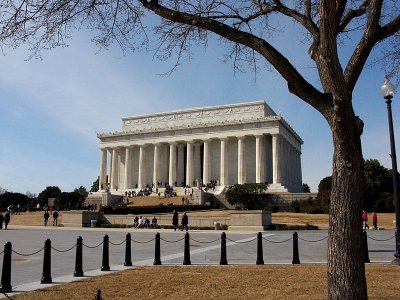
{"points": [[27, 254], [381, 240], [237, 242], [63, 250], [139, 242], [206, 242], [312, 241], [172, 241], [93, 246], [275, 242], [117, 243]]}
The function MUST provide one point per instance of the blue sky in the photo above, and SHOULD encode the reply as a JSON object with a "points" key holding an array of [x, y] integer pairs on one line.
{"points": [[51, 109]]}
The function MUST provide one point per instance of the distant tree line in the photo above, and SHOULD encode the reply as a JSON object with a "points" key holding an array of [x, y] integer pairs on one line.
{"points": [[377, 195], [63, 200]]}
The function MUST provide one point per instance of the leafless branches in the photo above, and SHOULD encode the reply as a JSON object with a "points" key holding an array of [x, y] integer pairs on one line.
{"points": [[246, 25]]}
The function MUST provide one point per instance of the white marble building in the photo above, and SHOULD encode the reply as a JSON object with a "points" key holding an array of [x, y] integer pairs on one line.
{"points": [[237, 143]]}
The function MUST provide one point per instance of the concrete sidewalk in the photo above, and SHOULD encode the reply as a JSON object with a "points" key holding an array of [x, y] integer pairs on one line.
{"points": [[205, 248]]}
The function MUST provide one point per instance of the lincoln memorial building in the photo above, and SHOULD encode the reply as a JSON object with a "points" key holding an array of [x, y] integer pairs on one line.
{"points": [[226, 144]]}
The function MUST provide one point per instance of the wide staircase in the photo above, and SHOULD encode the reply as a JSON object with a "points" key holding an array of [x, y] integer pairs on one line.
{"points": [[155, 200]]}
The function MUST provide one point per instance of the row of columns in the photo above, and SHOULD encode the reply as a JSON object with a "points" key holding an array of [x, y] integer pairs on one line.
{"points": [[287, 173]]}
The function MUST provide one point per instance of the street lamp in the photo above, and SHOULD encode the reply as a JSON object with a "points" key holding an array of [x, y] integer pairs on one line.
{"points": [[387, 91]]}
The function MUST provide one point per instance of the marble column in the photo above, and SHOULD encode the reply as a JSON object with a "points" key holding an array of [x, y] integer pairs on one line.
{"points": [[292, 167], [299, 175], [156, 164], [241, 161], [196, 162], [260, 159], [206, 162], [180, 169], [189, 163], [114, 169], [224, 174], [172, 164], [128, 168], [103, 170], [276, 171], [284, 165], [142, 167]]}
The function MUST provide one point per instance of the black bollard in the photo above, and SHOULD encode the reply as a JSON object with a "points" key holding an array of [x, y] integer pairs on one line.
{"points": [[223, 260], [186, 256], [365, 246], [128, 259], [78, 258], [157, 252], [98, 295], [260, 255], [46, 276], [6, 272], [296, 259], [105, 262]]}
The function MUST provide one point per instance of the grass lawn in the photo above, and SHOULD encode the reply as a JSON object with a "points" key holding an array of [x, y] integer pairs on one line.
{"points": [[306, 281], [220, 282]]}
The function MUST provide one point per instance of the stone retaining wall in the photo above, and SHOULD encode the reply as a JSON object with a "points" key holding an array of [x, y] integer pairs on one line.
{"points": [[257, 220]]}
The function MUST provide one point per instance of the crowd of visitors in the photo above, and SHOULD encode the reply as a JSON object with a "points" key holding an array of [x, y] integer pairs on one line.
{"points": [[140, 222]]}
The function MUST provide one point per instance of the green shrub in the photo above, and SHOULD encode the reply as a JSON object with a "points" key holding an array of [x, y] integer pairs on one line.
{"points": [[139, 210]]}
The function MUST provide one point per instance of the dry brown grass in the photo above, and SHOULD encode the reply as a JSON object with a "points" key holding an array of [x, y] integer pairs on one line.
{"points": [[385, 221], [220, 282]]}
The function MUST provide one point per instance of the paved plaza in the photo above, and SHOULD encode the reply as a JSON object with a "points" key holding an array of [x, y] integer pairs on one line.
{"points": [[205, 249]]}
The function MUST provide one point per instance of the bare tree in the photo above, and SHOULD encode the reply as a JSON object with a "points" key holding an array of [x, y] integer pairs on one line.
{"points": [[246, 27]]}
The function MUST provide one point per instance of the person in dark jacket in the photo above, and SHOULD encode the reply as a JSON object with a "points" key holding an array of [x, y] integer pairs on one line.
{"points": [[46, 217], [6, 219], [55, 218], [175, 220], [185, 221], [1, 220]]}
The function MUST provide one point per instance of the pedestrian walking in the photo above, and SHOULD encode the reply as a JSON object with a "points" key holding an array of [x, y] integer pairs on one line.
{"points": [[1, 220], [55, 218], [185, 221], [46, 217], [365, 220], [175, 220], [7, 219], [375, 220]]}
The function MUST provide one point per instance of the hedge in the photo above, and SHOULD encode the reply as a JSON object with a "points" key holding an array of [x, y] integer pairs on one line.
{"points": [[139, 210]]}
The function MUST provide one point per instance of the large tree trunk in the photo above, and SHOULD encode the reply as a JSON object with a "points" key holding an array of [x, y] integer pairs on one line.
{"points": [[346, 269]]}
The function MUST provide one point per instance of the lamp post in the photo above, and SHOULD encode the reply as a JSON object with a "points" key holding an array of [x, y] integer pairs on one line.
{"points": [[387, 91]]}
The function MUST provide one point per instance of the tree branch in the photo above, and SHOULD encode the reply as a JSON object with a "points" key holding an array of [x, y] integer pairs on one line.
{"points": [[351, 14], [389, 29], [296, 83], [365, 46]]}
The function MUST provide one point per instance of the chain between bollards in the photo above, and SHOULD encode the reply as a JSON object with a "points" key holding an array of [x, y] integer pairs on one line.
{"points": [[223, 260], [128, 255], [46, 276], [105, 261], [78, 258], [157, 251], [296, 259], [6, 272]]}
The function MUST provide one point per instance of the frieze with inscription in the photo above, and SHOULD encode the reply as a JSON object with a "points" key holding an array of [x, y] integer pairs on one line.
{"points": [[198, 117]]}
